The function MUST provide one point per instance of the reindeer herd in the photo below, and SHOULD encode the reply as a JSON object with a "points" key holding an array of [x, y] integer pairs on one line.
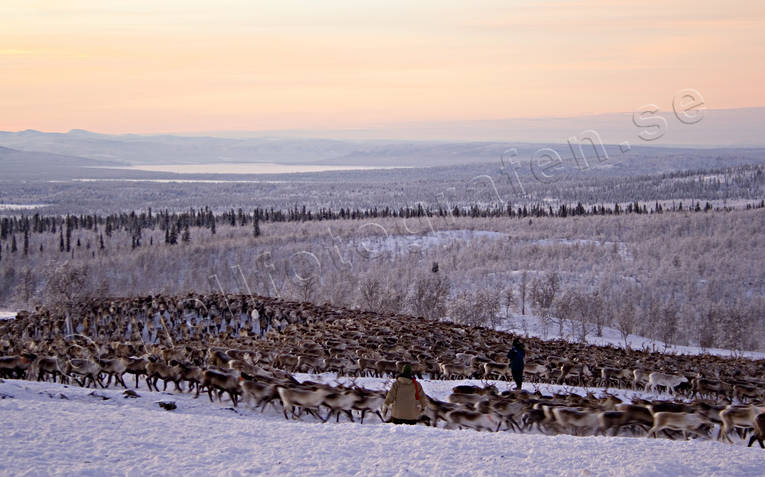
{"points": [[249, 348]]}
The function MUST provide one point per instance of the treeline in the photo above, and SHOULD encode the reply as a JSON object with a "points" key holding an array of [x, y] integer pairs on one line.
{"points": [[177, 225], [460, 186]]}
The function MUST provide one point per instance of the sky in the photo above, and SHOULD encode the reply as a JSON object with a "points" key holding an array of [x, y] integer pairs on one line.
{"points": [[184, 66]]}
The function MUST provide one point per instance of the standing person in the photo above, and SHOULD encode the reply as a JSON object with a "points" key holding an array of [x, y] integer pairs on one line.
{"points": [[263, 324], [406, 398], [516, 356]]}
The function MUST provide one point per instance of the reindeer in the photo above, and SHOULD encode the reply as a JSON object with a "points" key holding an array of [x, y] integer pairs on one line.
{"points": [[48, 366], [744, 392], [625, 415], [711, 412], [113, 368], [341, 400], [385, 367], [507, 411], [310, 364], [172, 354], [464, 399], [640, 378], [454, 371], [339, 365], [368, 401], [536, 371], [707, 387], [217, 358], [190, 374], [308, 399], [670, 381], [614, 375], [737, 416], [680, 421], [156, 370], [496, 369], [759, 430], [610, 420], [465, 359], [222, 382], [667, 406], [258, 392], [136, 365], [534, 416], [15, 367], [472, 420], [366, 366], [87, 368], [575, 372], [436, 410], [576, 418], [488, 390]]}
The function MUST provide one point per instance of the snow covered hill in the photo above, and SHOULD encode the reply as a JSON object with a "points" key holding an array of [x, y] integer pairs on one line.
{"points": [[52, 429], [533, 326]]}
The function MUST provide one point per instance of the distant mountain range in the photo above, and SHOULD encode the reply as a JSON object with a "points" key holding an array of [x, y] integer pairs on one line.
{"points": [[743, 127], [33, 153], [30, 165]]}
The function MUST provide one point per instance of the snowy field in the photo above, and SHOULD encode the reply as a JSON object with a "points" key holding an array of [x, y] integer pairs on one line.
{"points": [[52, 429], [401, 244], [7, 315], [532, 326], [374, 246]]}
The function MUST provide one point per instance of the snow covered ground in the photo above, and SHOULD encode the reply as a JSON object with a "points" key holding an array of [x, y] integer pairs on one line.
{"points": [[376, 245], [52, 429], [531, 325], [7, 315]]}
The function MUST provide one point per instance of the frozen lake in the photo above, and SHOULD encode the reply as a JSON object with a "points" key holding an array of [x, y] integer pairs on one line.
{"points": [[246, 168], [21, 206]]}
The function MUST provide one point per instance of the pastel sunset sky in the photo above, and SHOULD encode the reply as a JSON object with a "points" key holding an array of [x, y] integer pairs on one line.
{"points": [[182, 65]]}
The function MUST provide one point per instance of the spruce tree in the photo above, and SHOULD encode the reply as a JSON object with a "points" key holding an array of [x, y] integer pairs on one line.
{"points": [[173, 238]]}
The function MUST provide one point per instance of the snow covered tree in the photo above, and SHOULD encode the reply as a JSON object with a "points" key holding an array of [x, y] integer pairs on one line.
{"points": [[522, 291], [428, 295]]}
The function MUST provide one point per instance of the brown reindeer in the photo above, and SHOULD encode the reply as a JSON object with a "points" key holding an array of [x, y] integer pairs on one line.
{"points": [[759, 430]]}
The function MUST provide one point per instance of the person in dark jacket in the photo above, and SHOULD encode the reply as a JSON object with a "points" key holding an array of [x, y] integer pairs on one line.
{"points": [[516, 356]]}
